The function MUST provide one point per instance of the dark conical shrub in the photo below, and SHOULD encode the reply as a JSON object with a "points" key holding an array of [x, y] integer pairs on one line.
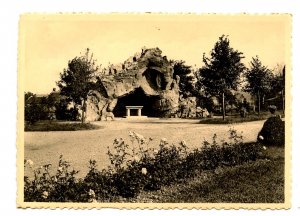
{"points": [[272, 132]]}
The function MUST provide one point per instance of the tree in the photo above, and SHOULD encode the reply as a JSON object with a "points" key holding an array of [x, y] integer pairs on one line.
{"points": [[186, 83], [35, 108], [78, 79], [53, 98], [278, 85], [64, 111], [221, 71], [31, 109], [258, 80], [27, 96]]}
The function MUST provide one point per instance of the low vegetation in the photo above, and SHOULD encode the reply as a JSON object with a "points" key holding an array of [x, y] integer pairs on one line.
{"points": [[59, 126], [234, 119], [141, 171], [229, 120]]}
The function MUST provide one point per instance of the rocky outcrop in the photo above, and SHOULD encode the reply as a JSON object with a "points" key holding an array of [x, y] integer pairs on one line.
{"points": [[202, 113], [188, 109], [149, 71]]}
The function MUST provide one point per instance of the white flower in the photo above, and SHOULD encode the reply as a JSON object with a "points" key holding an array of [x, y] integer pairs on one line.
{"points": [[155, 151], [92, 193], [144, 171], [183, 144], [139, 137], [264, 148], [131, 134], [47, 167], [29, 162], [261, 137], [45, 195], [163, 140], [60, 168]]}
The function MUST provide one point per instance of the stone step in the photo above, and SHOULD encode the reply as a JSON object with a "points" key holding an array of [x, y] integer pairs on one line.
{"points": [[136, 117]]}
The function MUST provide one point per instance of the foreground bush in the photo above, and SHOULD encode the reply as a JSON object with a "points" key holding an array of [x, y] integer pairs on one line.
{"points": [[272, 132], [60, 187], [138, 168]]}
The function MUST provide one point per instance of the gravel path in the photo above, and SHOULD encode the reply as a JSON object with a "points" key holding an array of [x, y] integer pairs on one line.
{"points": [[78, 147]]}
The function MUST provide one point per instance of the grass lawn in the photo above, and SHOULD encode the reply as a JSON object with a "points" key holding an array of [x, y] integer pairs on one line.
{"points": [[229, 119], [260, 181], [60, 126]]}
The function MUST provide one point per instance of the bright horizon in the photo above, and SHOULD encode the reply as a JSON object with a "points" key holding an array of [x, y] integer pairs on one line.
{"points": [[50, 41]]}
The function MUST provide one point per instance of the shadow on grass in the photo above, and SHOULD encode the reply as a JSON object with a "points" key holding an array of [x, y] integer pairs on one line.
{"points": [[60, 126]]}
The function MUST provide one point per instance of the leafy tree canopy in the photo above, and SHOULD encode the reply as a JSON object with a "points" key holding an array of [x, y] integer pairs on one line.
{"points": [[258, 78], [78, 78], [278, 82], [35, 108], [221, 71], [187, 78]]}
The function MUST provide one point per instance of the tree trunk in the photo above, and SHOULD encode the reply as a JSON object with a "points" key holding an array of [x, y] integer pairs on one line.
{"points": [[223, 105], [282, 93], [82, 117], [258, 103], [83, 111]]}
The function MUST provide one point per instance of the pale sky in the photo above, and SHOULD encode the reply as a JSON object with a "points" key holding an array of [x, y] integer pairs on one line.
{"points": [[48, 42]]}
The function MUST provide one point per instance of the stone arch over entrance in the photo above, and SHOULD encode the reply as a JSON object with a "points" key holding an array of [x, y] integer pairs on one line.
{"points": [[148, 81]]}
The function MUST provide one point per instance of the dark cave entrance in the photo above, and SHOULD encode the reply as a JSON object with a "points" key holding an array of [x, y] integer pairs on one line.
{"points": [[136, 98]]}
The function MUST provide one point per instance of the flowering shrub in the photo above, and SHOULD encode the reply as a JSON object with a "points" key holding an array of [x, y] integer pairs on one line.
{"points": [[166, 166], [101, 182], [60, 187], [227, 153], [130, 181], [137, 168]]}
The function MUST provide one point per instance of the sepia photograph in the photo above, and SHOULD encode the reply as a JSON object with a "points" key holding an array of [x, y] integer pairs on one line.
{"points": [[154, 110]]}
